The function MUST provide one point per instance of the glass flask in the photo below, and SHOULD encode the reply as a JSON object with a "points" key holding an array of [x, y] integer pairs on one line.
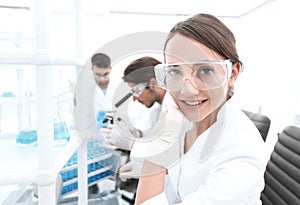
{"points": [[27, 136], [61, 132]]}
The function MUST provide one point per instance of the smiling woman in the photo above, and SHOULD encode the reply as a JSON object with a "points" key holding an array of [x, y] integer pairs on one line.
{"points": [[219, 165]]}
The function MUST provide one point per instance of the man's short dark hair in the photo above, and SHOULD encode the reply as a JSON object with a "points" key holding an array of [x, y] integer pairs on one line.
{"points": [[101, 60], [140, 70]]}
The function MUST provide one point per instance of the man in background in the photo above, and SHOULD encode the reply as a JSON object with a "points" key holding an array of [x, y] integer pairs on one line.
{"points": [[140, 77], [101, 68]]}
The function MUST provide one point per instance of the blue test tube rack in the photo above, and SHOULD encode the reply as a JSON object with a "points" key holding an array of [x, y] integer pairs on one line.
{"points": [[99, 167]]}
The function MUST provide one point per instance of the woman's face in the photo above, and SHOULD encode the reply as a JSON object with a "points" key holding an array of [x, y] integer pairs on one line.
{"points": [[195, 102]]}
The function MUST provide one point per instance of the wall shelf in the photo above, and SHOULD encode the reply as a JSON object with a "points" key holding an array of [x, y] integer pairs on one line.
{"points": [[20, 164]]}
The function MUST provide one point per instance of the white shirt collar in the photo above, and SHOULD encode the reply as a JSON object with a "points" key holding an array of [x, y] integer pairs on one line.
{"points": [[212, 136]]}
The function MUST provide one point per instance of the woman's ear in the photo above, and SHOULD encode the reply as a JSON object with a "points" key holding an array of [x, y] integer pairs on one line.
{"points": [[236, 69]]}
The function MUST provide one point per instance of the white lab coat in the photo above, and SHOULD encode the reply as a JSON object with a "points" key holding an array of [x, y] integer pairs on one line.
{"points": [[104, 101], [142, 118], [140, 147], [225, 165], [156, 112], [139, 115]]}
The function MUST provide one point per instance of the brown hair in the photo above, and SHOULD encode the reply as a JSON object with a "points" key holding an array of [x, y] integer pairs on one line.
{"points": [[101, 60], [211, 32], [140, 70]]}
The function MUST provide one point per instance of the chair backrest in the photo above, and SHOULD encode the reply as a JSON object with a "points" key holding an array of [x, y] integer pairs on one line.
{"points": [[262, 123], [282, 175]]}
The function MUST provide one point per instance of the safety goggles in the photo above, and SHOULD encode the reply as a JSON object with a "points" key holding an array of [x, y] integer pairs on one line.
{"points": [[138, 89], [205, 75]]}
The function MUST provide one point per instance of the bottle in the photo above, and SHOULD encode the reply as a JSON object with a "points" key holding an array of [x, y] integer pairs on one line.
{"points": [[61, 133], [27, 136]]}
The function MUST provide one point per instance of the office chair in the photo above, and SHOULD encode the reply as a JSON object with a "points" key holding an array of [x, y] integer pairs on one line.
{"points": [[282, 175], [262, 123]]}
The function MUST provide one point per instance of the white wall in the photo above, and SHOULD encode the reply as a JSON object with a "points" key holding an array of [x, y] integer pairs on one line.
{"points": [[268, 43]]}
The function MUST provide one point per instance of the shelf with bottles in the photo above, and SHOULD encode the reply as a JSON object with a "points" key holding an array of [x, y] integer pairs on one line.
{"points": [[8, 98], [17, 114], [20, 164]]}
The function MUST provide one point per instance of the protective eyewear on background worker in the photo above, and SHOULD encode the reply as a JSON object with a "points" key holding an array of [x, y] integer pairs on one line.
{"points": [[138, 89]]}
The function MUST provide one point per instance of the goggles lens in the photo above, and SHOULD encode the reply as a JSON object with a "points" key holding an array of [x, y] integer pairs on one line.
{"points": [[138, 89], [205, 75]]}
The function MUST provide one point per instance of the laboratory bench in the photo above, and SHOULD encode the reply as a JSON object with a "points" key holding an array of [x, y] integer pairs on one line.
{"points": [[19, 166]]}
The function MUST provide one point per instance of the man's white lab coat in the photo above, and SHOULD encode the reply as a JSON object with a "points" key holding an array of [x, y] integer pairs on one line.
{"points": [[225, 165], [104, 101], [149, 121], [155, 112]]}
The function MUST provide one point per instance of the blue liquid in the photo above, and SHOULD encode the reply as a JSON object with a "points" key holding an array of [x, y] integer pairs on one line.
{"points": [[70, 170], [28, 138], [61, 133]]}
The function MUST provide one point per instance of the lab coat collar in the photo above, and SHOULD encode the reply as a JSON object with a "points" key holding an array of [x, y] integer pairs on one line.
{"points": [[212, 136]]}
